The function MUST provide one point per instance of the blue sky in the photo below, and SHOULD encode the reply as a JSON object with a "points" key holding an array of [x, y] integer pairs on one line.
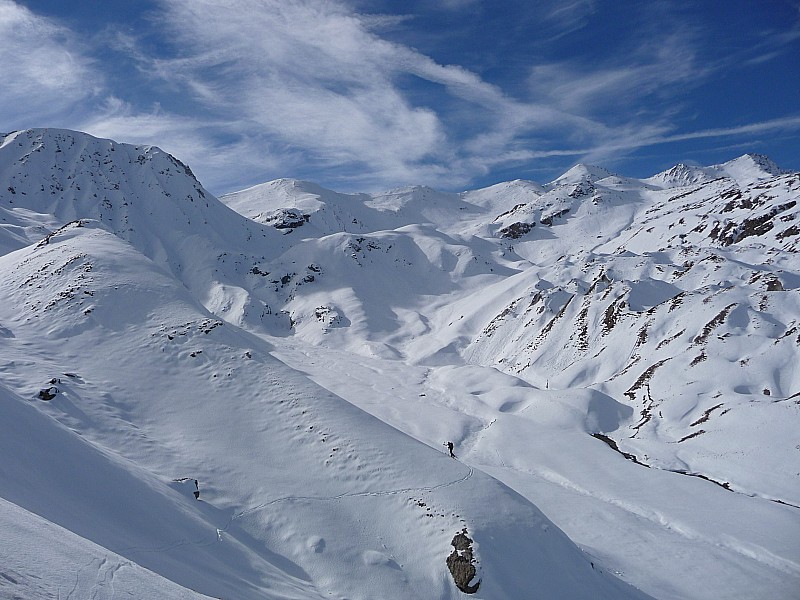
{"points": [[362, 95]]}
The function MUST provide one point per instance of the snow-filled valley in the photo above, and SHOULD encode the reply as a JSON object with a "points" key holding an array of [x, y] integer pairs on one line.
{"points": [[614, 359]]}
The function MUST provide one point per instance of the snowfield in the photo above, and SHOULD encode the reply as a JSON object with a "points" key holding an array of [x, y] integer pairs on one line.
{"points": [[614, 359]]}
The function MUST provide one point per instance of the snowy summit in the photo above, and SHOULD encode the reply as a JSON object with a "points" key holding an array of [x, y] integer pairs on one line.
{"points": [[252, 396]]}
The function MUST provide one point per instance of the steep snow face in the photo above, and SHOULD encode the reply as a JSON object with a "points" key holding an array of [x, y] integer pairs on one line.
{"points": [[302, 495], [132, 189], [51, 177], [551, 332]]}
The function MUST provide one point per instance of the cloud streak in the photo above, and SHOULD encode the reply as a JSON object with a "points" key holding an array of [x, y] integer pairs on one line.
{"points": [[45, 69], [311, 75], [249, 90], [646, 140], [316, 77]]}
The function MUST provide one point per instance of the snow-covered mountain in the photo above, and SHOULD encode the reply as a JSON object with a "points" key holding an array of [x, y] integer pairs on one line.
{"points": [[613, 358], [749, 168]]}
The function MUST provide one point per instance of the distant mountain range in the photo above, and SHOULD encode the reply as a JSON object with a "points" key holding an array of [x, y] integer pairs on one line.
{"points": [[620, 353]]}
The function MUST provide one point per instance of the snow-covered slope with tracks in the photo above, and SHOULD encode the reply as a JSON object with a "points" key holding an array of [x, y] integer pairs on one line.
{"points": [[305, 357], [120, 390]]}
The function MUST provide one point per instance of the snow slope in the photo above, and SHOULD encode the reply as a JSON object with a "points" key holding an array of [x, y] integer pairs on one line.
{"points": [[662, 312], [302, 494], [305, 359]]}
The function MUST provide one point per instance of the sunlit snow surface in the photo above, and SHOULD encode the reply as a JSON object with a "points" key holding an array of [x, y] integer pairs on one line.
{"points": [[307, 363]]}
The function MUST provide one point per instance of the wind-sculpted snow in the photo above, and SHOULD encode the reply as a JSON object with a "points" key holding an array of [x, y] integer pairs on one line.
{"points": [[676, 296], [301, 494], [305, 360]]}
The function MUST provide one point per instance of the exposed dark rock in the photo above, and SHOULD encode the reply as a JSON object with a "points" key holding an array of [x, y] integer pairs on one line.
{"points": [[48, 393], [713, 323], [582, 189], [699, 358], [692, 435], [706, 415], [189, 481], [516, 230], [791, 231], [722, 484], [733, 232], [286, 219], [613, 445], [179, 164], [774, 285], [327, 315], [612, 314], [549, 220], [461, 563], [508, 212]]}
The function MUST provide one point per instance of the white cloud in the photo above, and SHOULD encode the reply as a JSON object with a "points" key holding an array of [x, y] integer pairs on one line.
{"points": [[45, 69], [457, 5], [564, 18], [311, 74], [219, 165], [309, 88], [315, 76], [664, 67], [781, 124], [635, 138]]}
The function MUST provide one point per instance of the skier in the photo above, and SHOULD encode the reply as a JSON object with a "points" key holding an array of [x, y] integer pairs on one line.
{"points": [[450, 448], [196, 490]]}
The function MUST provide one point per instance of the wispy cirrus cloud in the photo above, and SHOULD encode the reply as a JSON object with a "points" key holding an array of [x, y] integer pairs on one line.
{"points": [[218, 151], [457, 4], [567, 17], [781, 124], [312, 75], [635, 139], [45, 68], [249, 90], [666, 67], [317, 77]]}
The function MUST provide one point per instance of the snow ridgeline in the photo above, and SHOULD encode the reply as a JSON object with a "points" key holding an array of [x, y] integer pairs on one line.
{"points": [[517, 321], [106, 278]]}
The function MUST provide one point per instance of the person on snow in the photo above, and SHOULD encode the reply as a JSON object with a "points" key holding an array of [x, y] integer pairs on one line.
{"points": [[450, 448]]}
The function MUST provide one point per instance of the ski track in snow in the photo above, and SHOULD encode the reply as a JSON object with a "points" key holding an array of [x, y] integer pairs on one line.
{"points": [[217, 538], [662, 521], [483, 424], [101, 585]]}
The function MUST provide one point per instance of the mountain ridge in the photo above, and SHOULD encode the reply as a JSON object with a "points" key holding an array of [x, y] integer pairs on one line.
{"points": [[545, 329]]}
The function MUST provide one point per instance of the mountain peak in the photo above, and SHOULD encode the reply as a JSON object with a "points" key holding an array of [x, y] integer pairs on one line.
{"points": [[748, 168], [680, 175], [758, 165], [277, 429], [581, 173]]}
